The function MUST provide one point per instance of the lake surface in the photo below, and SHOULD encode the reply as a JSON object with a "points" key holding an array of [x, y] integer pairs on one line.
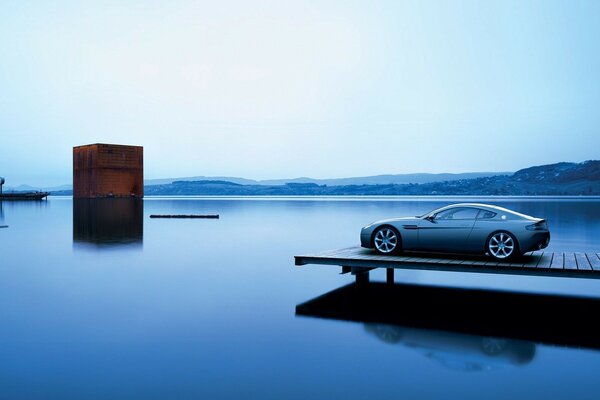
{"points": [[99, 301]]}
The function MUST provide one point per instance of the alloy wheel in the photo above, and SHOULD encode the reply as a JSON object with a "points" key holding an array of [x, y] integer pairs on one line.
{"points": [[386, 240], [501, 245]]}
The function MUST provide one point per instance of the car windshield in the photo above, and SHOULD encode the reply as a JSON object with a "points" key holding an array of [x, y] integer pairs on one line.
{"points": [[430, 212]]}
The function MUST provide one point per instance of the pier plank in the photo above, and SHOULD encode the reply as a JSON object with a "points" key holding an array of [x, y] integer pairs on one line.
{"points": [[534, 261], [456, 262], [515, 265], [425, 260], [545, 260], [410, 259], [582, 261], [570, 261], [492, 263], [558, 262], [477, 262], [594, 261]]}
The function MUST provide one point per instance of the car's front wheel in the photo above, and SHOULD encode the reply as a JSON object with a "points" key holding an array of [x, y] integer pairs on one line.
{"points": [[386, 240], [502, 246]]}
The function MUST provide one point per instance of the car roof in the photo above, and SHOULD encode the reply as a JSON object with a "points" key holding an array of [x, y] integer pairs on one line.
{"points": [[485, 207]]}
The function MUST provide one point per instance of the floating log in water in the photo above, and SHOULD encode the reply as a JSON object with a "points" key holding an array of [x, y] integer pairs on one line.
{"points": [[206, 216]]}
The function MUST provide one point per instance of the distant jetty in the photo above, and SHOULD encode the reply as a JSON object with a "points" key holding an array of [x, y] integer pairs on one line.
{"points": [[21, 195], [24, 196], [206, 216]]}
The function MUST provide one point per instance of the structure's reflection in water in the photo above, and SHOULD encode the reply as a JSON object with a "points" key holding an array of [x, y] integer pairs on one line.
{"points": [[108, 222], [462, 329]]}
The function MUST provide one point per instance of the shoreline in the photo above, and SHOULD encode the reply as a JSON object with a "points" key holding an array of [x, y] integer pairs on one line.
{"points": [[352, 197]]}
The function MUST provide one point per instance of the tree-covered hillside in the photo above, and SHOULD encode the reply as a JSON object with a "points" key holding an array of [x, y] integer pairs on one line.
{"points": [[555, 179]]}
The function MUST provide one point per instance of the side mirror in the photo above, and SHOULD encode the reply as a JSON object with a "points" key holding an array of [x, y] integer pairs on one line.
{"points": [[430, 218]]}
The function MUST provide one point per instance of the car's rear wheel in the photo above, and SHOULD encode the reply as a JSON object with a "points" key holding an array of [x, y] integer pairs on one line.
{"points": [[502, 246], [386, 240]]}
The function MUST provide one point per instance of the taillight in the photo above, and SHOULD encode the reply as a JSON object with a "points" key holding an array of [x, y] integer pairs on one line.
{"points": [[538, 226]]}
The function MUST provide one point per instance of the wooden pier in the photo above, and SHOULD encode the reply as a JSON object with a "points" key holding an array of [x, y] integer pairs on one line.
{"points": [[359, 261]]}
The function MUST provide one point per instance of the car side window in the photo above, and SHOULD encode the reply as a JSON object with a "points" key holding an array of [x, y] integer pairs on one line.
{"points": [[485, 214], [458, 213]]}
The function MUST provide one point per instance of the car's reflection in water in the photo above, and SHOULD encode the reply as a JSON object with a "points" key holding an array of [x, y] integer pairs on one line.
{"points": [[108, 222], [457, 351], [463, 329]]}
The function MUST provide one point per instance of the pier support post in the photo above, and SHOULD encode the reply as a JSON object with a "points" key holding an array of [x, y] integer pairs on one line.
{"points": [[362, 277], [389, 276]]}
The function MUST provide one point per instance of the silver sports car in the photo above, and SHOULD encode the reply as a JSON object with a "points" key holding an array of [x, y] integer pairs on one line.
{"points": [[460, 228]]}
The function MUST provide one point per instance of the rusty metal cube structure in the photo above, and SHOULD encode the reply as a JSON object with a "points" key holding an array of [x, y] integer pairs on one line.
{"points": [[108, 170]]}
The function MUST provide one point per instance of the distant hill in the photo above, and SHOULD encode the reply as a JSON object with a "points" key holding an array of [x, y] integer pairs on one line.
{"points": [[563, 172], [576, 179], [363, 180], [28, 188], [20, 188], [166, 181]]}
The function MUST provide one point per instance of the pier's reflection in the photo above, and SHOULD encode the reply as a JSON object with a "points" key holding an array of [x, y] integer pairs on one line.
{"points": [[108, 222], [469, 330]]}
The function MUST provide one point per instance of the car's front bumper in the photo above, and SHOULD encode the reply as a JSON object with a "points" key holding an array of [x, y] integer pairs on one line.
{"points": [[365, 238]]}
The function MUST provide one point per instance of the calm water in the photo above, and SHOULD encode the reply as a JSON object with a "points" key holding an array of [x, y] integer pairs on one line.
{"points": [[99, 301]]}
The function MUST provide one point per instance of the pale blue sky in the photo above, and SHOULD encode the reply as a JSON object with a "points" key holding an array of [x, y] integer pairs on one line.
{"points": [[273, 89]]}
